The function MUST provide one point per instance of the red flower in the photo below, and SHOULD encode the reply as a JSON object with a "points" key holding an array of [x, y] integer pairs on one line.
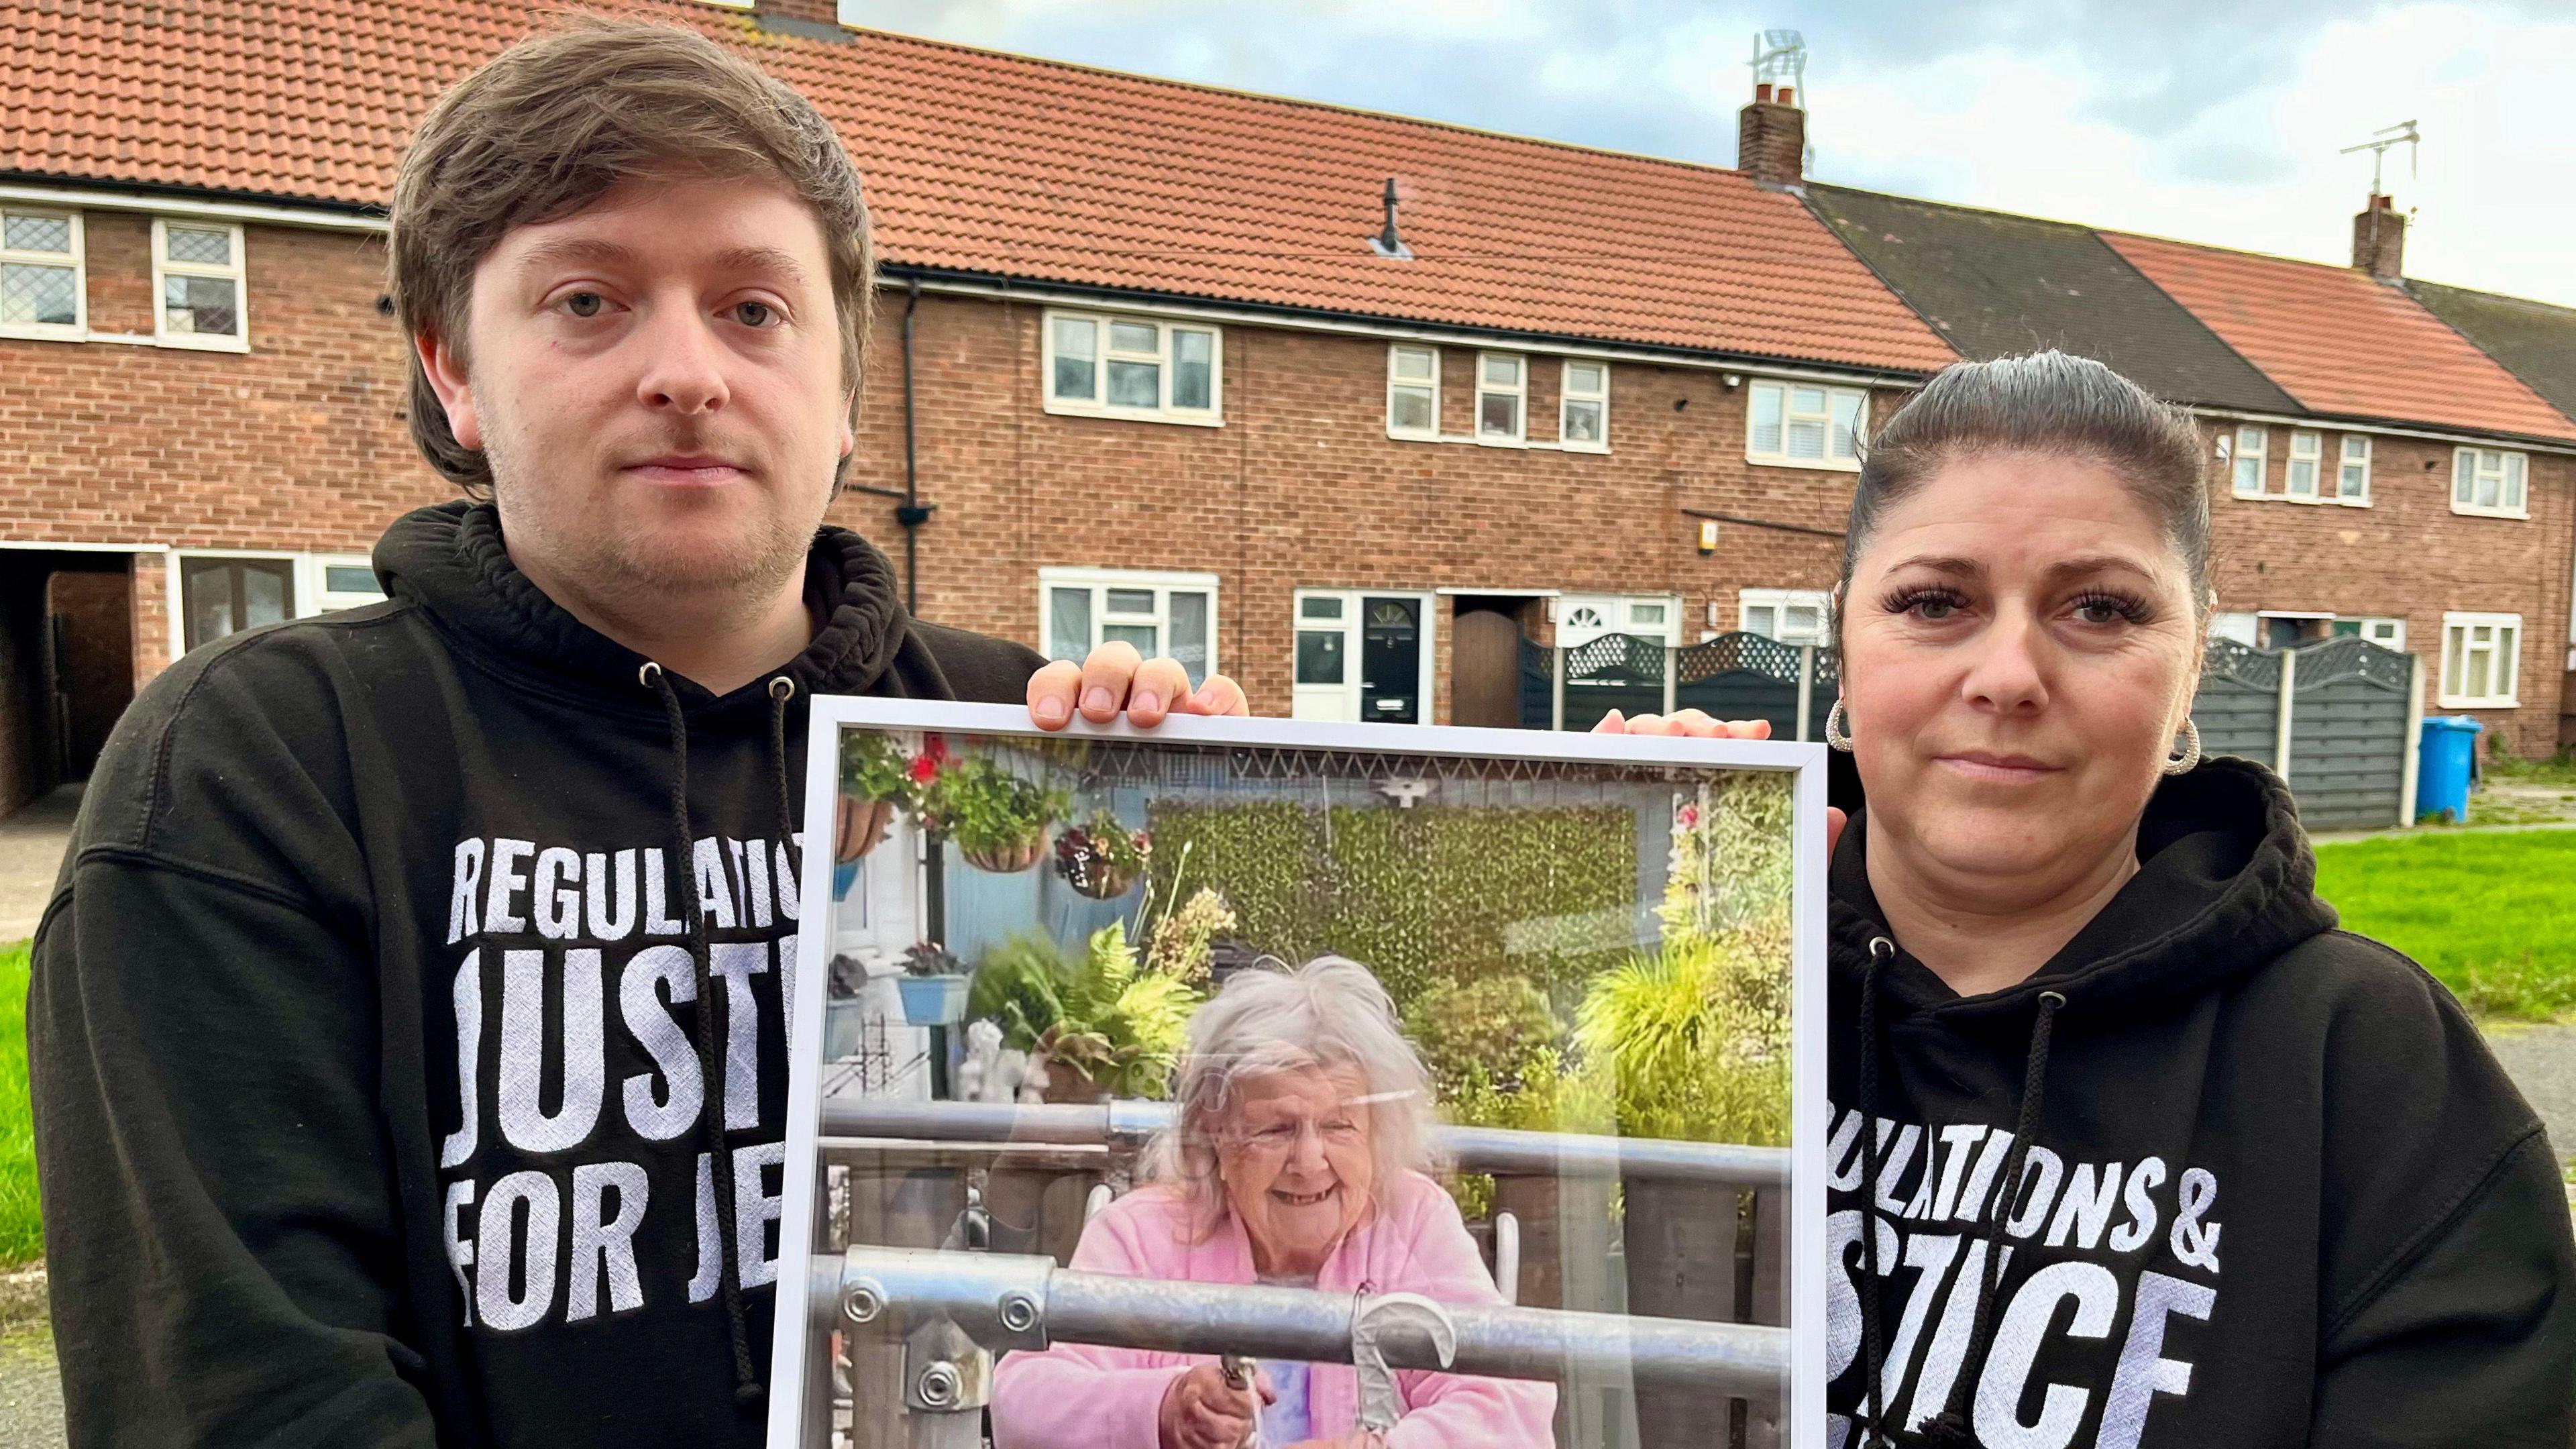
{"points": [[935, 747], [923, 767]]}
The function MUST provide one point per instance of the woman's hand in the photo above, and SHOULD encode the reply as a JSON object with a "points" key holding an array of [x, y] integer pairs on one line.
{"points": [[1116, 677], [1202, 1411], [1698, 725]]}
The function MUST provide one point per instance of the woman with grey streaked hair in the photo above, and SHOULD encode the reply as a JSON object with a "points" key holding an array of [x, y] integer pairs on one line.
{"points": [[1300, 1155]]}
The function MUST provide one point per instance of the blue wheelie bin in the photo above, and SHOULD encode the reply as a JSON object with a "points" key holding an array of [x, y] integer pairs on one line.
{"points": [[2442, 780]]}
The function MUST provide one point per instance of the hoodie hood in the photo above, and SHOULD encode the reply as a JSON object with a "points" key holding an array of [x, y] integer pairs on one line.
{"points": [[2225, 885], [451, 559]]}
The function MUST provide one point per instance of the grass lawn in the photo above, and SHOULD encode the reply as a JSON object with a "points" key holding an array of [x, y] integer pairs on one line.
{"points": [[22, 1234], [2492, 915]]}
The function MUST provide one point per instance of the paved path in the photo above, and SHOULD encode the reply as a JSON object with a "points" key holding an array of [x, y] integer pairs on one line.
{"points": [[2542, 1060], [31, 853]]}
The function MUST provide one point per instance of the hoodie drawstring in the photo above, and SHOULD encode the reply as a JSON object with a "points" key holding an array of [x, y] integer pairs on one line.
{"points": [[1881, 951], [746, 1379], [1953, 1429]]}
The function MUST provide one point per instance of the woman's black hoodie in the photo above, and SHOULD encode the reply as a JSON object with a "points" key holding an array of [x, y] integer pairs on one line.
{"points": [[323, 866], [2275, 1189]]}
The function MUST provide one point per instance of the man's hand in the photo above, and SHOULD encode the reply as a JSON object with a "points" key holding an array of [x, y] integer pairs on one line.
{"points": [[1202, 1411], [1698, 725], [1115, 677]]}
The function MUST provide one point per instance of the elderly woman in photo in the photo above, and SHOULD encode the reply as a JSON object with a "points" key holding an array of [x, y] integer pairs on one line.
{"points": [[1299, 1157]]}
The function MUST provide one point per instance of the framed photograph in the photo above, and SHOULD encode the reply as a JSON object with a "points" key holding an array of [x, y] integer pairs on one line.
{"points": [[1330, 1077]]}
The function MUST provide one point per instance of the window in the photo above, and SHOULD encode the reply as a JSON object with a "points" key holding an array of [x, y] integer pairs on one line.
{"points": [[1792, 616], [41, 290], [2300, 480], [197, 274], [1159, 613], [2388, 633], [1583, 407], [2352, 480], [341, 581], [2489, 482], [2252, 446], [1801, 423], [1581, 618], [1502, 392], [227, 595], [1133, 367], [1413, 392], [2481, 660]]}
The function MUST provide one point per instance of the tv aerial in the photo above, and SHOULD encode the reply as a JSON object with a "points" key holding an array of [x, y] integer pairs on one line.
{"points": [[2401, 134], [1780, 59]]}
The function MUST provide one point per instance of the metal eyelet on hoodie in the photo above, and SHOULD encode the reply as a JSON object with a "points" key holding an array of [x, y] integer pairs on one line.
{"points": [[782, 688]]}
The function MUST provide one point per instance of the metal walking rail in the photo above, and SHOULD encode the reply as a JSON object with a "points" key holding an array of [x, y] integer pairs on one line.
{"points": [[1127, 1124], [1008, 1302]]}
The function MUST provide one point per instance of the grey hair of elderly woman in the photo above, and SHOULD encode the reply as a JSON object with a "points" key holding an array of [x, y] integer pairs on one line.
{"points": [[1330, 1012]]}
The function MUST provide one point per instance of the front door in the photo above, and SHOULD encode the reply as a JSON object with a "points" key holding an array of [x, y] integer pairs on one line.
{"points": [[1390, 660]]}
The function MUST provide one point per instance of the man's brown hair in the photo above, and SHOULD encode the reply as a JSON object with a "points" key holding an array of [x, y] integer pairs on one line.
{"points": [[552, 124]]}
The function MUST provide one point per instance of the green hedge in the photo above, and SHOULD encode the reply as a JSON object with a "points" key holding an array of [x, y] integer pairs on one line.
{"points": [[1431, 894]]}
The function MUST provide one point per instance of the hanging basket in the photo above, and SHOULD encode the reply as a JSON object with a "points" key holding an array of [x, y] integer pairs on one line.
{"points": [[1093, 877], [1010, 859]]}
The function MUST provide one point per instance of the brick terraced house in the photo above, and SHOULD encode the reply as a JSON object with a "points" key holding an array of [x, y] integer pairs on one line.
{"points": [[1185, 366]]}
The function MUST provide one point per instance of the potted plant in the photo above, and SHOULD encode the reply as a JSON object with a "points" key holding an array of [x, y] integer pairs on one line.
{"points": [[1097, 1021], [933, 986], [1102, 858], [998, 820], [877, 779]]}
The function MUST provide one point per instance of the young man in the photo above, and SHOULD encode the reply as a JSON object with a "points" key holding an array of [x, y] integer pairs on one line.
{"points": [[406, 1034]]}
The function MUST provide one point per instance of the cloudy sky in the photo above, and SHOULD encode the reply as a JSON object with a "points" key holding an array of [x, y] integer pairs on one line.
{"points": [[2210, 120]]}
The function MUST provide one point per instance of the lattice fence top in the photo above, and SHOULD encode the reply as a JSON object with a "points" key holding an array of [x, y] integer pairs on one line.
{"points": [[1616, 659], [2243, 664], [2353, 657], [1739, 651], [1187, 766]]}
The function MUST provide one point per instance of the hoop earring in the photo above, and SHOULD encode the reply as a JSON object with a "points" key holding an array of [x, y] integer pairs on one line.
{"points": [[1837, 734], [2189, 759]]}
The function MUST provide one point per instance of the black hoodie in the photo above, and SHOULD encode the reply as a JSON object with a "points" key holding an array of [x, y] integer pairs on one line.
{"points": [[317, 857], [2277, 1191]]}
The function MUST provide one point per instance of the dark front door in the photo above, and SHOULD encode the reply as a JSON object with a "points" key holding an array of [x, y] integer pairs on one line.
{"points": [[1391, 660]]}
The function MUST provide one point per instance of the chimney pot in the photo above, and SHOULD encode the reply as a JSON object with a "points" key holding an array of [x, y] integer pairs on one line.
{"points": [[1786, 92], [1762, 92]]}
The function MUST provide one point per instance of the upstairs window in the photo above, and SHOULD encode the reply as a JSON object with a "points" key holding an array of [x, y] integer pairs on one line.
{"points": [[2253, 447], [2299, 480], [1805, 424], [1583, 407], [1413, 392], [2486, 481], [1129, 367], [197, 275], [1502, 397], [2352, 475], [41, 291]]}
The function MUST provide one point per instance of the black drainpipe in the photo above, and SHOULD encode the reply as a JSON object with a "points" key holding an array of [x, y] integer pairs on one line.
{"points": [[911, 514]]}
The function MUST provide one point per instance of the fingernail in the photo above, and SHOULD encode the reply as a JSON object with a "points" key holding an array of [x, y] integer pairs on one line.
{"points": [[1050, 710], [1147, 702], [1098, 702]]}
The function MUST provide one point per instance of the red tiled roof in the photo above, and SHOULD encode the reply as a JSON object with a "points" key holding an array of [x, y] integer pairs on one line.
{"points": [[989, 163], [2341, 342]]}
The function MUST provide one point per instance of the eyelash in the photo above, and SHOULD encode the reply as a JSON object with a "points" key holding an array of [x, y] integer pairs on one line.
{"points": [[1906, 601], [2133, 610], [777, 314]]}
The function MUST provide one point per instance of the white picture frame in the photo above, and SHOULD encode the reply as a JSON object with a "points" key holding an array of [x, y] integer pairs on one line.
{"points": [[808, 1286]]}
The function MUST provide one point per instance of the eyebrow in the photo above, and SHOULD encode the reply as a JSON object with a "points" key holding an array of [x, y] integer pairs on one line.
{"points": [[2077, 567], [576, 250]]}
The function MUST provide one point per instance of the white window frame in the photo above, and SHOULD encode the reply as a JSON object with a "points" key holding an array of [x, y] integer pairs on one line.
{"points": [[2512, 470], [311, 597], [1519, 393], [1786, 387], [1618, 610], [1566, 396], [313, 581], [2345, 462], [1779, 602], [1342, 701], [78, 331], [2379, 629], [1098, 406], [1393, 382], [238, 273], [2308, 450], [1101, 581], [2458, 637], [2259, 454]]}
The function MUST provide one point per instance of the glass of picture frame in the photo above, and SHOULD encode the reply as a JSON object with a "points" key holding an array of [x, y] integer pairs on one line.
{"points": [[1472, 1077]]}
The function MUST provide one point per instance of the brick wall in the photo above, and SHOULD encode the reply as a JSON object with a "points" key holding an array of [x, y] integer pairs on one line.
{"points": [[300, 445]]}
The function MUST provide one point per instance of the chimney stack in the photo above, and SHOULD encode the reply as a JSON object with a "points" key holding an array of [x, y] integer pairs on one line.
{"points": [[1771, 137], [2379, 240], [800, 12]]}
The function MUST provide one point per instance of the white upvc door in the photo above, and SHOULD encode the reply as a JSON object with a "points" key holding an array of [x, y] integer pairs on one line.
{"points": [[1582, 618]]}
